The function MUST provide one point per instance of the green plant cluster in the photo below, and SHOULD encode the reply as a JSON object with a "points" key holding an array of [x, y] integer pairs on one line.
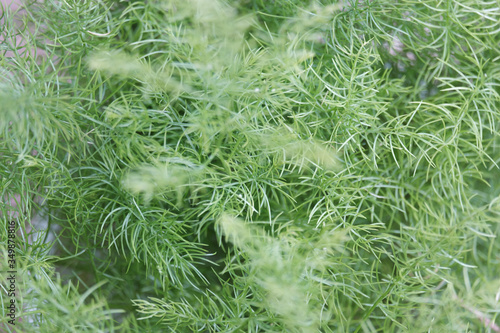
{"points": [[253, 166]]}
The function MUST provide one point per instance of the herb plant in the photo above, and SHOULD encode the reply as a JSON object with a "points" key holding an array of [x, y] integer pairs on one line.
{"points": [[252, 166]]}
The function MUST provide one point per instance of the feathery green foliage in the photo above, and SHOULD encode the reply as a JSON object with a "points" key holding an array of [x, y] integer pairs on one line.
{"points": [[252, 166]]}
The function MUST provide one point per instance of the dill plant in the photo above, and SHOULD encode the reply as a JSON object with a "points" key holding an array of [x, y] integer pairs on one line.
{"points": [[253, 166]]}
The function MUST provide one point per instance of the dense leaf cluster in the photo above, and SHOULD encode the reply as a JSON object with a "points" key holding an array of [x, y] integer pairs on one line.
{"points": [[253, 166]]}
